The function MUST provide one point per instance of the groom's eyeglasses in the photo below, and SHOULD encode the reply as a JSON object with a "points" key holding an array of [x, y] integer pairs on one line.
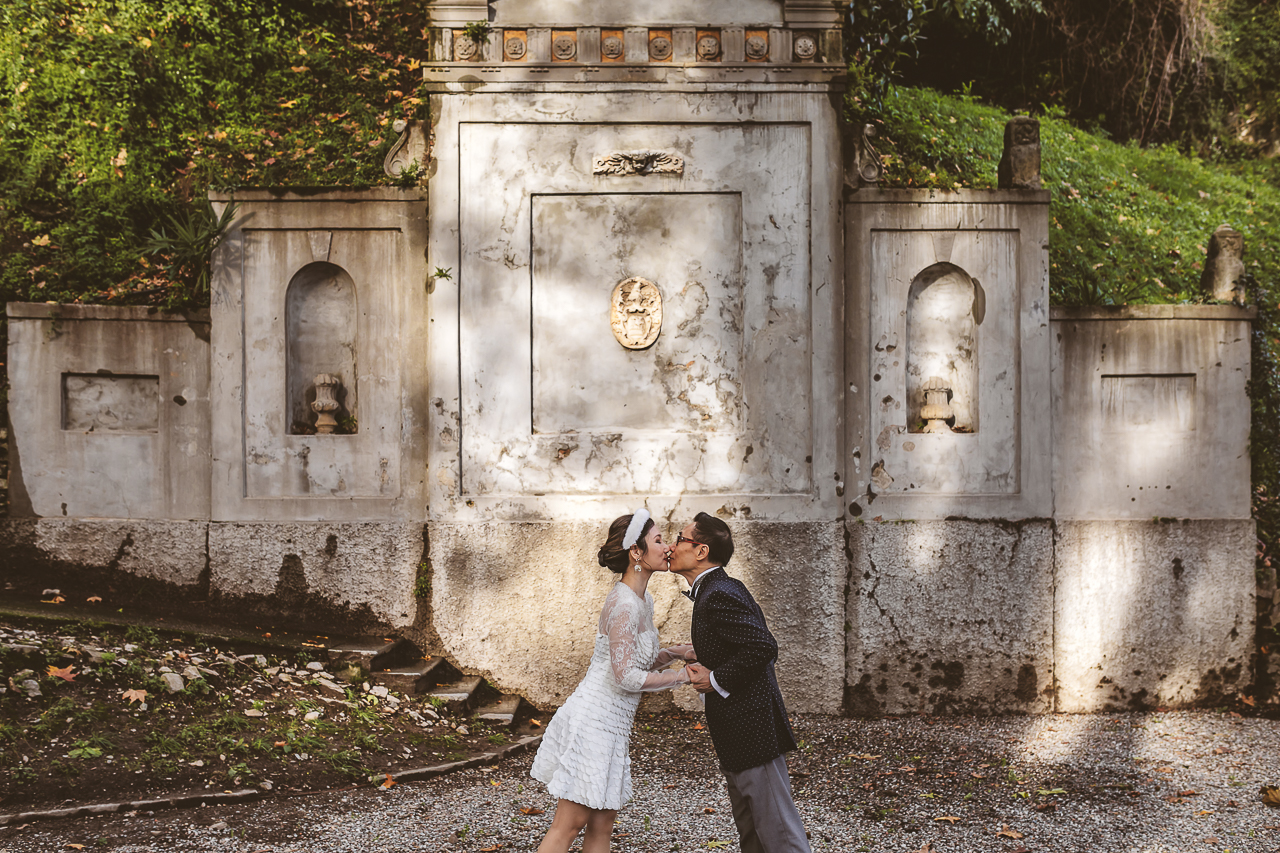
{"points": [[680, 538]]}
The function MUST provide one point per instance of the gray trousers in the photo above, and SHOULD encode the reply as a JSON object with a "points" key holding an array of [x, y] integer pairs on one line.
{"points": [[764, 811]]}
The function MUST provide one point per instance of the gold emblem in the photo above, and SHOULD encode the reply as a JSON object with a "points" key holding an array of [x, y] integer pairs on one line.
{"points": [[636, 312]]}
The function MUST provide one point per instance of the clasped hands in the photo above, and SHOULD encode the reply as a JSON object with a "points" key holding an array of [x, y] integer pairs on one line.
{"points": [[699, 675]]}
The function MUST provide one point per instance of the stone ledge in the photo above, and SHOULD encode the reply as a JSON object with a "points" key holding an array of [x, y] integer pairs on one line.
{"points": [[63, 312], [314, 194], [872, 195], [1152, 312]]}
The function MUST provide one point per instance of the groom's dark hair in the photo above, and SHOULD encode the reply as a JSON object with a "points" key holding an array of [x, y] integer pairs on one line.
{"points": [[715, 534]]}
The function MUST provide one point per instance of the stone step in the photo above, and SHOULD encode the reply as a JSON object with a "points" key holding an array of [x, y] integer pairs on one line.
{"points": [[459, 693], [371, 654], [412, 678], [501, 712]]}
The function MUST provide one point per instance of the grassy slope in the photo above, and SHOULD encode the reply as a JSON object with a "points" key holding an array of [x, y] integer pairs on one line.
{"points": [[1128, 224]]}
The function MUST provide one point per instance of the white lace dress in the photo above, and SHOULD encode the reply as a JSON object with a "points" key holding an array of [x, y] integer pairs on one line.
{"points": [[585, 754]]}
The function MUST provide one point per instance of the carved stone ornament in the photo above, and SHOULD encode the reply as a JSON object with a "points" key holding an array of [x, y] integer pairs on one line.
{"points": [[1224, 266], [638, 163], [326, 403], [611, 47], [635, 312], [806, 47], [757, 47], [660, 48], [564, 48], [708, 48], [464, 49], [870, 167], [514, 47]]}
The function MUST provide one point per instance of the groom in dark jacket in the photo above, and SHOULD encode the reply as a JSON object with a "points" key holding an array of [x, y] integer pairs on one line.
{"points": [[734, 672]]}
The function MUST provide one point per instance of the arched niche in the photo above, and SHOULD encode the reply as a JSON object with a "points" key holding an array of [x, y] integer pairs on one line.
{"points": [[945, 307], [320, 322]]}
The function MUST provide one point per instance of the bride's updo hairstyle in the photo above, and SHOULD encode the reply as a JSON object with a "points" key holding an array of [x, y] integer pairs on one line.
{"points": [[612, 555]]}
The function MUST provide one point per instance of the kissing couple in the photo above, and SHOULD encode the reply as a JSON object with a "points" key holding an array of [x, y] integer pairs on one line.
{"points": [[584, 759]]}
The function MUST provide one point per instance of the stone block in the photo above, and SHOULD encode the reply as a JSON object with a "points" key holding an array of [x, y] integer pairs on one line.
{"points": [[1152, 613], [1019, 166], [950, 617], [172, 552], [1224, 266], [519, 602], [363, 570]]}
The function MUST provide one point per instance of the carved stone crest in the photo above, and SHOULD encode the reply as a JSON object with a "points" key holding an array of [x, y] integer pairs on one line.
{"points": [[465, 49], [514, 47], [660, 48], [635, 312], [757, 47], [708, 48], [638, 163]]}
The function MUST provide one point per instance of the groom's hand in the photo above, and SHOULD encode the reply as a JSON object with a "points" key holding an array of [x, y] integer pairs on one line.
{"points": [[699, 677]]}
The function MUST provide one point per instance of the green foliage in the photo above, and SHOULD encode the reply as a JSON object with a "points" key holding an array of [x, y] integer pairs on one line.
{"points": [[118, 113], [477, 31]]}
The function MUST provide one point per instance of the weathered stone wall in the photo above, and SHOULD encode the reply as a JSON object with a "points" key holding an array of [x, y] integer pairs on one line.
{"points": [[109, 412]]}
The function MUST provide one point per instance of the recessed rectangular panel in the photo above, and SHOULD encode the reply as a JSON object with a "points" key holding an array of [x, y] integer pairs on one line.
{"points": [[587, 377], [110, 403], [1154, 403]]}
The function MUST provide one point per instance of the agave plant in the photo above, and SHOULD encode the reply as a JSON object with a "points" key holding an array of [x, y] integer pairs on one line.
{"points": [[196, 232]]}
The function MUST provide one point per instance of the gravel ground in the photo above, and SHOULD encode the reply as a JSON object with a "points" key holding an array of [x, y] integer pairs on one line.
{"points": [[1186, 781]]}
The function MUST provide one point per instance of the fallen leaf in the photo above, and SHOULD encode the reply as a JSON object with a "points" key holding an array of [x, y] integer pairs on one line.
{"points": [[1270, 795], [977, 775], [1204, 812], [1164, 769], [530, 810], [949, 819], [1187, 794], [1221, 750], [134, 695], [75, 846], [495, 783], [1006, 832], [535, 723], [866, 756], [1212, 839], [57, 599], [388, 783], [94, 599], [491, 849], [708, 810], [281, 743], [1248, 700], [698, 727], [64, 673], [714, 845]]}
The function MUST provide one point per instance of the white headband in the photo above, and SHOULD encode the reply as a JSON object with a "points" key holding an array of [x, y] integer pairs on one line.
{"points": [[633, 529]]}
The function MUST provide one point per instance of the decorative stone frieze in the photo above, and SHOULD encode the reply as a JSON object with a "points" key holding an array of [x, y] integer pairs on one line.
{"points": [[638, 163]]}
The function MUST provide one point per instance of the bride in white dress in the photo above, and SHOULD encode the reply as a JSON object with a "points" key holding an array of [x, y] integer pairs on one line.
{"points": [[584, 759]]}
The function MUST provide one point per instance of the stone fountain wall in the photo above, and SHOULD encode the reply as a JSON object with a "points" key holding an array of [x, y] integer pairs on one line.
{"points": [[655, 272]]}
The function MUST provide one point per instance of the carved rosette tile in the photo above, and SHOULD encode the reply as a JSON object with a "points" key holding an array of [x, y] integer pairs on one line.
{"points": [[757, 48], [660, 48], [611, 47], [805, 46], [514, 48], [638, 163], [464, 49], [635, 312], [564, 48], [708, 48]]}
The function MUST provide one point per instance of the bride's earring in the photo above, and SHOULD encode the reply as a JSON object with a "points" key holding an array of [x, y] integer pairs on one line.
{"points": [[637, 567]]}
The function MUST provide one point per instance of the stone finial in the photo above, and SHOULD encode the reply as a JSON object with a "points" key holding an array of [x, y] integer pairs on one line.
{"points": [[326, 403], [1224, 265], [1020, 163], [937, 407]]}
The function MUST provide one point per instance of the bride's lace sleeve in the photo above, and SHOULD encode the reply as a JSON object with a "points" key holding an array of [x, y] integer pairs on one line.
{"points": [[620, 621]]}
